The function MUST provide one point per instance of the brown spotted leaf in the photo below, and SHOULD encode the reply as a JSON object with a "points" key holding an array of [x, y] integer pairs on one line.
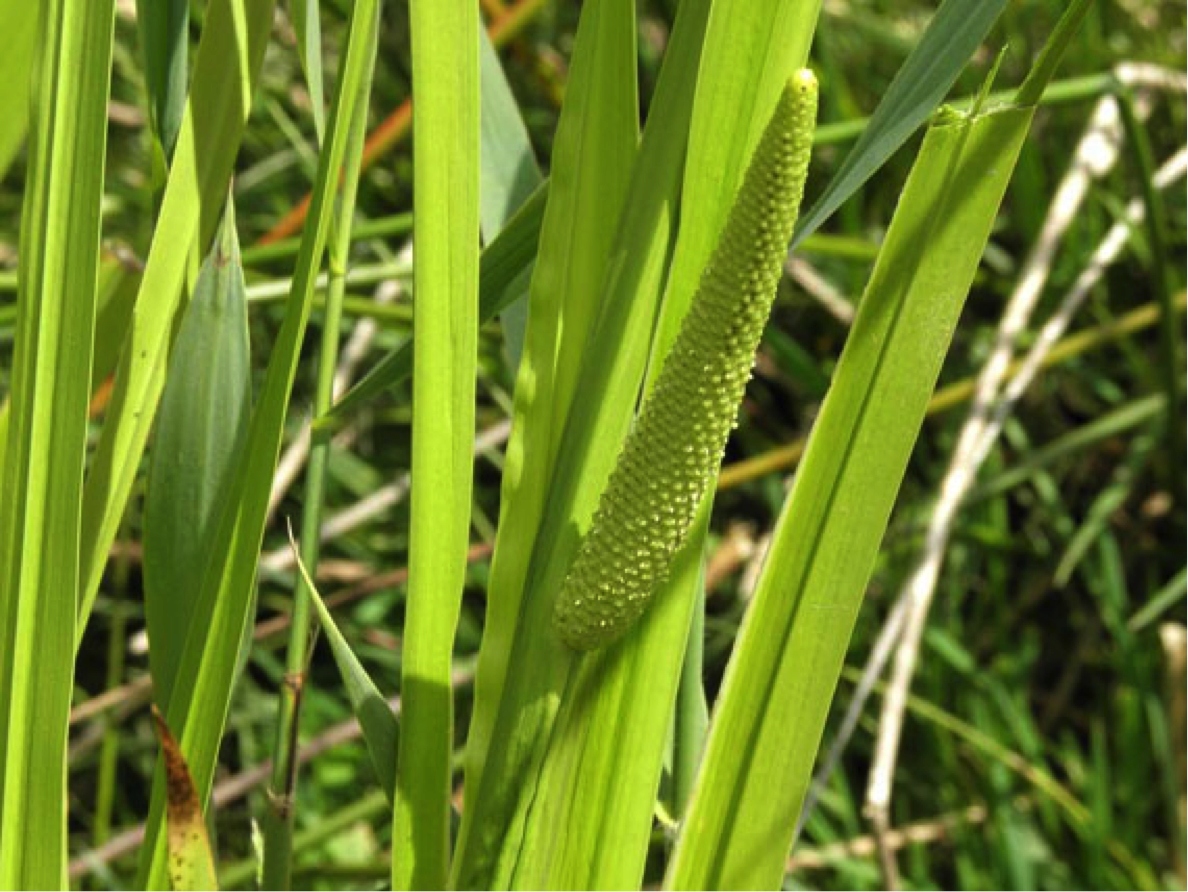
{"points": [[191, 862]]}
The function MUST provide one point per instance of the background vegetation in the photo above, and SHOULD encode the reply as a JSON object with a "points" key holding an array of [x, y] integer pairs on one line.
{"points": [[1044, 744]]}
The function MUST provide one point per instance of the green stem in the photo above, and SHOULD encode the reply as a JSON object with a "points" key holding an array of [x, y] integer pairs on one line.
{"points": [[365, 808], [282, 790]]}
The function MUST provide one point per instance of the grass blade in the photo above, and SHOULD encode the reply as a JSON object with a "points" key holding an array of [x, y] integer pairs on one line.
{"points": [[308, 28], [200, 427], [280, 816], [445, 336], [206, 672], [592, 155], [787, 658], [509, 177], [165, 35], [45, 441], [226, 70]]}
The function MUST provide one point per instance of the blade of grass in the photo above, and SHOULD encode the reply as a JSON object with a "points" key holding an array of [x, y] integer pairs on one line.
{"points": [[201, 424], [592, 156], [282, 799], [165, 38], [1166, 597], [209, 662], [611, 735], [1114, 494], [226, 69], [308, 28], [380, 730], [1157, 235], [788, 655], [1116, 424], [45, 446], [445, 72]]}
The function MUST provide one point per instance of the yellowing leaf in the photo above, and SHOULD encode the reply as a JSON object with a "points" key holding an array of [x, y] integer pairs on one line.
{"points": [[190, 862]]}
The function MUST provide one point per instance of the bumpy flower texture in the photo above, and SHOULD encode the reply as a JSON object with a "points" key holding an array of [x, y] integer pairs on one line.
{"points": [[668, 459]]}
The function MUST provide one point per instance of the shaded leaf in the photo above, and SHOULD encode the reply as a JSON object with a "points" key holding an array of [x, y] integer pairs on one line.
{"points": [[18, 24], [234, 32], [508, 178], [201, 423], [165, 36]]}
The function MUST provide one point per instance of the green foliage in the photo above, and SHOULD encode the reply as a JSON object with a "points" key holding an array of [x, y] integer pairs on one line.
{"points": [[141, 488], [671, 454], [44, 447], [200, 427], [826, 541], [445, 337], [165, 36], [210, 657]]}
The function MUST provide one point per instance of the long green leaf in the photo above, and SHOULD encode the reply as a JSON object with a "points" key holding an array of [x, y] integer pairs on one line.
{"points": [[116, 297], [308, 27], [165, 35], [280, 815], [592, 156], [781, 678], [210, 658], [201, 423], [445, 66], [45, 445], [512, 204], [226, 70]]}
